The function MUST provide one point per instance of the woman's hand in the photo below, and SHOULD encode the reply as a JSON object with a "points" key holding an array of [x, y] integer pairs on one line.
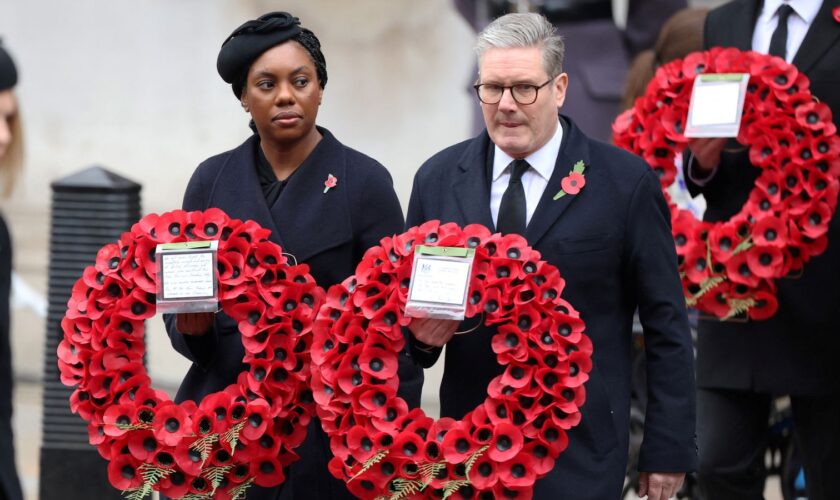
{"points": [[195, 324]]}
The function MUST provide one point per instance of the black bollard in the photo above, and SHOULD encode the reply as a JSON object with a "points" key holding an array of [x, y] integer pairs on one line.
{"points": [[89, 209]]}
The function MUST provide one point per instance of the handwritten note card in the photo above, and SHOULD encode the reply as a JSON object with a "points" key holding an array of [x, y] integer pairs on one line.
{"points": [[188, 275]]}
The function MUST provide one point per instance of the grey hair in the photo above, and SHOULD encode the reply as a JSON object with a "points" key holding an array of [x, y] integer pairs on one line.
{"points": [[524, 30]]}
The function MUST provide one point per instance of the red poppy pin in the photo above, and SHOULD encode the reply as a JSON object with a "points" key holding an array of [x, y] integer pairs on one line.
{"points": [[836, 14], [330, 182], [572, 183]]}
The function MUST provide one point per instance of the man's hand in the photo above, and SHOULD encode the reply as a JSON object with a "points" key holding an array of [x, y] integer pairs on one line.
{"points": [[433, 332], [660, 485], [195, 324], [706, 153]]}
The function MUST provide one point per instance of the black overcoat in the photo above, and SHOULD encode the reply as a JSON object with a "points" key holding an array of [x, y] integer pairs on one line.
{"points": [[796, 351], [328, 231]]}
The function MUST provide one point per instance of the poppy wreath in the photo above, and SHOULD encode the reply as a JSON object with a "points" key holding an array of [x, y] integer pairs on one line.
{"points": [[231, 439], [382, 448], [729, 268]]}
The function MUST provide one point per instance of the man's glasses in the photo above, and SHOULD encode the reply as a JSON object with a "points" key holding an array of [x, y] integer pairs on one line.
{"points": [[523, 93]]}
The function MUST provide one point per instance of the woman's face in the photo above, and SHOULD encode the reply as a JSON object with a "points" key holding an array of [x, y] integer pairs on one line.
{"points": [[282, 94], [8, 108]]}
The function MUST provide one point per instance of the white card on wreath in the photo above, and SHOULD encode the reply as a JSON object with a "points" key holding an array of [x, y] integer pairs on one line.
{"points": [[440, 279], [186, 277], [717, 103]]}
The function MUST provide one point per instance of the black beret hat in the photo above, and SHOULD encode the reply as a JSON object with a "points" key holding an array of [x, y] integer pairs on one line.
{"points": [[8, 72], [249, 41]]}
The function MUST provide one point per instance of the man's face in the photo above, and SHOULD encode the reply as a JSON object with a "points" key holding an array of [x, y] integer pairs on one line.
{"points": [[520, 129]]}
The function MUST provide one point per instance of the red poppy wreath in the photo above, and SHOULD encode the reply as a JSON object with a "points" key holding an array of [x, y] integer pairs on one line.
{"points": [[382, 448], [729, 268], [231, 439]]}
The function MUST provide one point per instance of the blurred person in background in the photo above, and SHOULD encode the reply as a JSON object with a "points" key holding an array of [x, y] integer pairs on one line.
{"points": [[277, 178], [11, 156], [598, 51], [743, 366], [681, 35]]}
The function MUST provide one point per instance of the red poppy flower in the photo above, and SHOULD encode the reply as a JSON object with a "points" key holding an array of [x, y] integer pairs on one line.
{"points": [[764, 261], [457, 445], [171, 424], [554, 437], [256, 419], [780, 75], [815, 220], [123, 473], [170, 227], [144, 228], [814, 115], [573, 183], [696, 265], [763, 151], [723, 239], [175, 485], [507, 442], [835, 13], [407, 445], [518, 472], [189, 460], [210, 224], [770, 231], [96, 434], [765, 306], [739, 271]]}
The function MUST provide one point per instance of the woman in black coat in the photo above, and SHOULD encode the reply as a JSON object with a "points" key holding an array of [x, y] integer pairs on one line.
{"points": [[10, 163], [277, 178]]}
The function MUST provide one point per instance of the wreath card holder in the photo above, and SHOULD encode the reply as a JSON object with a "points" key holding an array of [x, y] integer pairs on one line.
{"points": [[717, 103], [186, 277], [440, 278]]}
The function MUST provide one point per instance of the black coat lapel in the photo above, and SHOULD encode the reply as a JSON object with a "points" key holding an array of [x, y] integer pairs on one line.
{"points": [[239, 189], [471, 186], [734, 26], [310, 220], [822, 35], [574, 148]]}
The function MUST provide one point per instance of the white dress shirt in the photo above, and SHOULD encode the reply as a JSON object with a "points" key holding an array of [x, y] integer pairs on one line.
{"points": [[804, 13], [534, 180]]}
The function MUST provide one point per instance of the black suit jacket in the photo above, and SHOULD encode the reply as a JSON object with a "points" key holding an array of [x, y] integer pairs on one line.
{"points": [[328, 231], [795, 351], [612, 243]]}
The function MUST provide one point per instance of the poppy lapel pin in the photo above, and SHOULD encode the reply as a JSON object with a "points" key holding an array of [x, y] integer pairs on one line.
{"points": [[572, 183], [330, 182]]}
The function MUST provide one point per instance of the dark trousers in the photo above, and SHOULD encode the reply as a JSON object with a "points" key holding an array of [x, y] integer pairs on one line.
{"points": [[732, 431]]}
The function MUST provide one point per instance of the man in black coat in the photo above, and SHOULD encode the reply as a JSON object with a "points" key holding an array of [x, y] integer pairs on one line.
{"points": [[742, 366], [611, 241]]}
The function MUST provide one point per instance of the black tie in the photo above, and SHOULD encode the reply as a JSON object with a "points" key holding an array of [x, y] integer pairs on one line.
{"points": [[778, 42], [512, 208]]}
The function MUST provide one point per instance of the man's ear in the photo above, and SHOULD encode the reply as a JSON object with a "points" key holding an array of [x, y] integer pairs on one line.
{"points": [[561, 83]]}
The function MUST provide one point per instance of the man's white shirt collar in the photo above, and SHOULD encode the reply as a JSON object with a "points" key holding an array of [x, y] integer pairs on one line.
{"points": [[807, 10], [541, 160]]}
